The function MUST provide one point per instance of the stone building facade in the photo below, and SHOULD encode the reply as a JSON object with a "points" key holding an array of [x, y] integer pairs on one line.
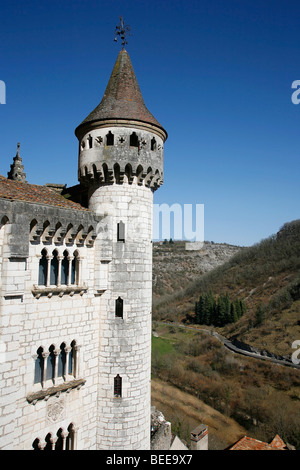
{"points": [[76, 286]]}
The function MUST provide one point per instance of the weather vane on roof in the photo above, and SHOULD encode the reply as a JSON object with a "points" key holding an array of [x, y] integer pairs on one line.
{"points": [[122, 30]]}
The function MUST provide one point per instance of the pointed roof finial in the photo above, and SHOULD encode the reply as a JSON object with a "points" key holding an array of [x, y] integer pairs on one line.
{"points": [[16, 172], [18, 150], [122, 30]]}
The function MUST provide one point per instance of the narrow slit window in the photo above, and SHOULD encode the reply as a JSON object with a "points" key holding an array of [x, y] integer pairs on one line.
{"points": [[119, 307], [153, 144], [118, 386], [121, 232]]}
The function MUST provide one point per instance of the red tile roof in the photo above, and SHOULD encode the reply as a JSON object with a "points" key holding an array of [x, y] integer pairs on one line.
{"points": [[248, 443], [17, 191], [278, 442]]}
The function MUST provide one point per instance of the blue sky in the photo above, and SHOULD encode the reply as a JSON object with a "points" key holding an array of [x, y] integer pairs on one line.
{"points": [[216, 74]]}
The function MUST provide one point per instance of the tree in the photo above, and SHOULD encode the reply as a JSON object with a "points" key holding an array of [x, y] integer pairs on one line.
{"points": [[227, 305], [221, 311], [199, 309], [233, 313], [209, 308], [209, 311], [238, 308]]}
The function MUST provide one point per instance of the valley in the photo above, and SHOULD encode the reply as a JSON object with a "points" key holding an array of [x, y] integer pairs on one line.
{"points": [[261, 397]]}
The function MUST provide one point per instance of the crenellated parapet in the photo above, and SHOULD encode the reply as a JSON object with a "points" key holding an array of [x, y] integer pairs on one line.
{"points": [[119, 154]]}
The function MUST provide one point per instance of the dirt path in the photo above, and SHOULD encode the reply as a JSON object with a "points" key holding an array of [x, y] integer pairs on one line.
{"points": [[186, 412]]}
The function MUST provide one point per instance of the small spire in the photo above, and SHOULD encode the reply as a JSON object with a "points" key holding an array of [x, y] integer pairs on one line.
{"points": [[18, 150], [16, 172], [122, 30]]}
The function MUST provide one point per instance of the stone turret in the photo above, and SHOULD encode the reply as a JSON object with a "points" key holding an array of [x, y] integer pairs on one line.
{"points": [[16, 172], [121, 165], [120, 140]]}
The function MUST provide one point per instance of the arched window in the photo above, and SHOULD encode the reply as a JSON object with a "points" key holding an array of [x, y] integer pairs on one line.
{"points": [[90, 141], [54, 269], [60, 440], [61, 363], [134, 141], [39, 367], [63, 440], [43, 268], [119, 308], [36, 445], [118, 386], [65, 268], [4, 221], [75, 269], [59, 270], [72, 359], [70, 440], [51, 364], [49, 442], [56, 363], [109, 138]]}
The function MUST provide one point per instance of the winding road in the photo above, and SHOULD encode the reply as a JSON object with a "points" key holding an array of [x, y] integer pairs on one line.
{"points": [[229, 345]]}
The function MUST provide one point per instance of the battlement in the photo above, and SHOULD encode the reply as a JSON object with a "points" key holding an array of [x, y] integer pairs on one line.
{"points": [[121, 154]]}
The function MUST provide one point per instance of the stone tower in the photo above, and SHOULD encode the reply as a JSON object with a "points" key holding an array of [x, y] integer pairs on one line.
{"points": [[121, 165]]}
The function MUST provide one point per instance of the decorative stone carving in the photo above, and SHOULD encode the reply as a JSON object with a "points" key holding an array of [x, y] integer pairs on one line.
{"points": [[56, 409]]}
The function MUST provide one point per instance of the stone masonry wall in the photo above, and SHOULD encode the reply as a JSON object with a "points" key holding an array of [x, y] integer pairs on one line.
{"points": [[29, 321], [125, 343]]}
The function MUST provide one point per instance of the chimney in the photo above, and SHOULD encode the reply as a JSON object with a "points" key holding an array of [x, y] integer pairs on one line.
{"points": [[199, 438]]}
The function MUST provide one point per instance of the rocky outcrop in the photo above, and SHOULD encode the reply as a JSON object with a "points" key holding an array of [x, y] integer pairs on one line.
{"points": [[174, 266]]}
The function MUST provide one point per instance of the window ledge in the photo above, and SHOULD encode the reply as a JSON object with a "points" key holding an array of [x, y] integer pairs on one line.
{"points": [[46, 393], [100, 290], [39, 291], [14, 296]]}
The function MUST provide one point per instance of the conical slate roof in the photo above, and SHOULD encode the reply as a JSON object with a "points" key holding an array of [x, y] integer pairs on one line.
{"points": [[122, 98]]}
